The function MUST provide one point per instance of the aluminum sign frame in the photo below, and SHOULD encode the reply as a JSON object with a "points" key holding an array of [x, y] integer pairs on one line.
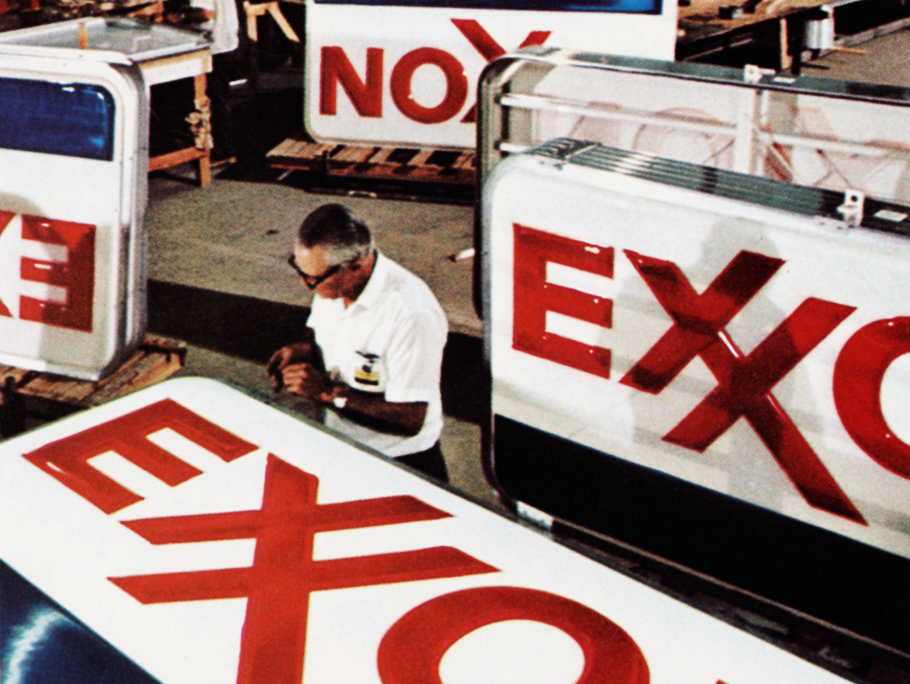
{"points": [[809, 131]]}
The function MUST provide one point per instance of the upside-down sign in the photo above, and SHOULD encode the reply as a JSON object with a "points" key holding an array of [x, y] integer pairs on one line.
{"points": [[213, 539], [405, 73]]}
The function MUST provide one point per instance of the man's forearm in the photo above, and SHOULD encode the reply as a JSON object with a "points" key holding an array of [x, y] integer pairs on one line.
{"points": [[372, 410]]}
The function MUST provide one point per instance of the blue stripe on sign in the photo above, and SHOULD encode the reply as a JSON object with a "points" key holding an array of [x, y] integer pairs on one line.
{"points": [[40, 643], [71, 119]]}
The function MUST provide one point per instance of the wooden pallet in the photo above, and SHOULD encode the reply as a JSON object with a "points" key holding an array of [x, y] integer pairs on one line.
{"points": [[390, 163], [29, 393]]}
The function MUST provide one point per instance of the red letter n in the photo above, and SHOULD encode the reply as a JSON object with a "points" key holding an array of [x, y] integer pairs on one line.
{"points": [[534, 297], [336, 68], [67, 459]]}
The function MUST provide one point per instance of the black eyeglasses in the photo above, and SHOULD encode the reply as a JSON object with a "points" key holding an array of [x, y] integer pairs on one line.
{"points": [[313, 281]]}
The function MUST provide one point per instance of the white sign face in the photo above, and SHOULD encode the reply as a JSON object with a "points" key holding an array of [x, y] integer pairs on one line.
{"points": [[389, 74], [70, 210], [816, 140], [758, 353], [213, 539]]}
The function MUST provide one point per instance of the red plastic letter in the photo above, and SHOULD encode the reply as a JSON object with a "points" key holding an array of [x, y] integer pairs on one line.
{"points": [[456, 86], [411, 651], [858, 375], [534, 296], [77, 274], [67, 459], [698, 319], [744, 381], [284, 574], [337, 68], [5, 218], [489, 49]]}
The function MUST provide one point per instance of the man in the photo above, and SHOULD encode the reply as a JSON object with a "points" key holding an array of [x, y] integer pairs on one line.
{"points": [[372, 349]]}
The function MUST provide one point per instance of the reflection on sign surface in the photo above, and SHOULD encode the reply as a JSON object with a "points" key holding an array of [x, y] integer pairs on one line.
{"points": [[73, 119]]}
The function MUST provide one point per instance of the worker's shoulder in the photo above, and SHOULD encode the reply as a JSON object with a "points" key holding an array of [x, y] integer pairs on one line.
{"points": [[402, 283], [408, 294]]}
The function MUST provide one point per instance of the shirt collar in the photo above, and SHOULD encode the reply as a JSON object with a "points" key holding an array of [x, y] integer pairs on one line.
{"points": [[372, 293]]}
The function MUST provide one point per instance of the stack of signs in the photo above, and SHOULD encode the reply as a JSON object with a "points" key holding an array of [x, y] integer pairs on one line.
{"points": [[212, 539]]}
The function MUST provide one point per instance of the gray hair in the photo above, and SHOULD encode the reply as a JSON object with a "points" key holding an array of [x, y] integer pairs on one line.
{"points": [[334, 227]]}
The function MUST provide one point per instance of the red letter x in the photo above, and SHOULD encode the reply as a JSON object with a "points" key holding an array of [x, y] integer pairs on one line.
{"points": [[284, 573], [484, 44], [744, 382]]}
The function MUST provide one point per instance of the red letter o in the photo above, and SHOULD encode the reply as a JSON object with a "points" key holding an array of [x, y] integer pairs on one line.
{"points": [[411, 651], [456, 85], [858, 376]]}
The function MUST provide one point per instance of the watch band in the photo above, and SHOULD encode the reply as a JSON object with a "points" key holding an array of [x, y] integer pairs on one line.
{"points": [[336, 397]]}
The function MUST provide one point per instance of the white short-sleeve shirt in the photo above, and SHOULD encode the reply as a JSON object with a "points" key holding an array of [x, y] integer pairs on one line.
{"points": [[389, 340]]}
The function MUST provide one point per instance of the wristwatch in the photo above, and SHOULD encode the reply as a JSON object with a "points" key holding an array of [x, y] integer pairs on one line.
{"points": [[339, 401]]}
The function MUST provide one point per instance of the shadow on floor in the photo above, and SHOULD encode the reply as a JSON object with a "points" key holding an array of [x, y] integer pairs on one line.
{"points": [[252, 329]]}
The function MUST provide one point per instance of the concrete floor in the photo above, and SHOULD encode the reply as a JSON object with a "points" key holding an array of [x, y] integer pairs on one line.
{"points": [[234, 237], [884, 60]]}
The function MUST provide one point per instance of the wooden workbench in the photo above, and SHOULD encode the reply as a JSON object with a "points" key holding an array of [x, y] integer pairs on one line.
{"points": [[710, 10], [775, 27], [194, 65]]}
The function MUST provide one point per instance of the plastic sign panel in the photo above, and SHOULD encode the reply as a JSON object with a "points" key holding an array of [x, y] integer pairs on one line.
{"points": [[73, 158], [751, 352], [405, 73], [809, 131], [212, 539]]}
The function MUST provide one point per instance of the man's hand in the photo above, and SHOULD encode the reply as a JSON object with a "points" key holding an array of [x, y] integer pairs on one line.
{"points": [[306, 380], [302, 352]]}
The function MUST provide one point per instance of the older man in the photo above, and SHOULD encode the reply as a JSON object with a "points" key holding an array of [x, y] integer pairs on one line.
{"points": [[372, 349]]}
